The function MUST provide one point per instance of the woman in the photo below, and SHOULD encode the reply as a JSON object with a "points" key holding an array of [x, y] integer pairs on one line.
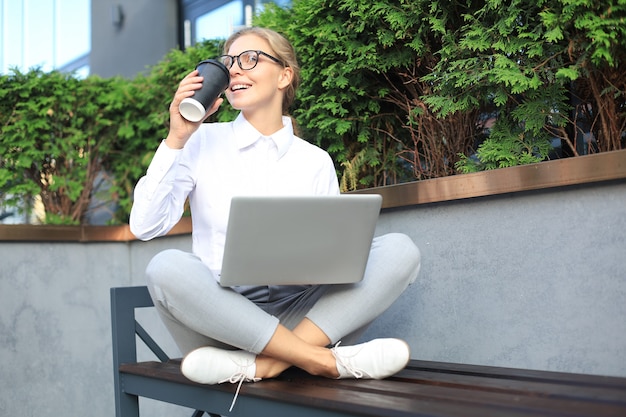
{"points": [[249, 333]]}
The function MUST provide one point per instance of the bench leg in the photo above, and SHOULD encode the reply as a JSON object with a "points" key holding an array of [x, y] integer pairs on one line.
{"points": [[123, 304], [126, 405], [124, 327]]}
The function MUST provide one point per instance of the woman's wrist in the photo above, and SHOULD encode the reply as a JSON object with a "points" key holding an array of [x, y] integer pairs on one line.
{"points": [[175, 143]]}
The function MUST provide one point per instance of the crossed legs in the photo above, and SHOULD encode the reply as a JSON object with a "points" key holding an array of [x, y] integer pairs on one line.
{"points": [[198, 312]]}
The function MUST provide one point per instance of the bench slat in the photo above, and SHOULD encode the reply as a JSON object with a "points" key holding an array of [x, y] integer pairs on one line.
{"points": [[564, 378], [595, 389]]}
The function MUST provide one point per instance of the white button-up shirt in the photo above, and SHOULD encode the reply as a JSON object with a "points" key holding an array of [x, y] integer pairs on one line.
{"points": [[219, 161]]}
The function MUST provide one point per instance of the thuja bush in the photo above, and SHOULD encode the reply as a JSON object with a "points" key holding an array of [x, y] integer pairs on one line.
{"points": [[544, 69], [400, 89], [75, 142], [57, 133]]}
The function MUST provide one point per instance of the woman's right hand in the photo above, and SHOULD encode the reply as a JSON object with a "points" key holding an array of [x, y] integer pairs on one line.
{"points": [[181, 129]]}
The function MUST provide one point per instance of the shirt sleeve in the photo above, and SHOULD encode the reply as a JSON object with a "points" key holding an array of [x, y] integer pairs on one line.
{"points": [[159, 196]]}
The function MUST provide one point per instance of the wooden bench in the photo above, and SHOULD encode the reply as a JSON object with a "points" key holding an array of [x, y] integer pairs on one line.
{"points": [[423, 388]]}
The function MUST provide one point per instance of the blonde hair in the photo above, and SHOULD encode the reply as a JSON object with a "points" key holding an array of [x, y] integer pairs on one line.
{"points": [[282, 49]]}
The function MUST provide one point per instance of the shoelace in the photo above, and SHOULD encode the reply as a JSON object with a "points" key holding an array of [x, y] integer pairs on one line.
{"points": [[239, 377], [357, 373]]}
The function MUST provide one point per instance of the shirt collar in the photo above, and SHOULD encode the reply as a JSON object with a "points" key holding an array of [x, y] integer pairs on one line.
{"points": [[246, 134]]}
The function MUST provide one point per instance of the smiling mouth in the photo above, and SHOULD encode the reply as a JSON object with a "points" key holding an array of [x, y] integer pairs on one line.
{"points": [[238, 87]]}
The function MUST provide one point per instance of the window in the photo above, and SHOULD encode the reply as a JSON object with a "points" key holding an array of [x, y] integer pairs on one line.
{"points": [[220, 22], [52, 34], [215, 19]]}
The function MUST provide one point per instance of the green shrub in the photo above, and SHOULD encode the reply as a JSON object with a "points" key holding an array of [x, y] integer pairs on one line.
{"points": [[57, 133], [74, 142], [395, 84]]}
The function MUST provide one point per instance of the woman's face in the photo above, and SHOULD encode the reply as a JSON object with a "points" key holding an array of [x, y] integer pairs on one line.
{"points": [[260, 87]]}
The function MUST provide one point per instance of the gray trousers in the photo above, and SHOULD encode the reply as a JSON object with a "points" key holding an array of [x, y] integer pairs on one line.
{"points": [[198, 312]]}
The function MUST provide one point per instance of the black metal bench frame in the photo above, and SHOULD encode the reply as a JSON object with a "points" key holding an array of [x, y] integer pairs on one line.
{"points": [[423, 389]]}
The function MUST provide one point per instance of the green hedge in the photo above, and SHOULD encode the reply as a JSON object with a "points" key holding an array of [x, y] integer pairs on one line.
{"points": [[417, 84], [74, 142], [395, 90]]}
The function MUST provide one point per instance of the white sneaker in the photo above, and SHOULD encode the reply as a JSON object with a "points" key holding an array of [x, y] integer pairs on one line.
{"points": [[210, 365], [376, 359]]}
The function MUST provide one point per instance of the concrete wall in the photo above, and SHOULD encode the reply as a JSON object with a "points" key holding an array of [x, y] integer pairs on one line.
{"points": [[534, 280], [55, 333], [148, 30]]}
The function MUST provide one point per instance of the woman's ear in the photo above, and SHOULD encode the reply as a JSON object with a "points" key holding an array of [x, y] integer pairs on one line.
{"points": [[285, 78]]}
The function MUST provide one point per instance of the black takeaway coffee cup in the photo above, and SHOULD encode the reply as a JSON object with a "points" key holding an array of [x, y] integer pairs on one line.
{"points": [[216, 80]]}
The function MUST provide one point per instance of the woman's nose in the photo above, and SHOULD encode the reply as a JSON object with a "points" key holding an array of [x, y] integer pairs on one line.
{"points": [[235, 68]]}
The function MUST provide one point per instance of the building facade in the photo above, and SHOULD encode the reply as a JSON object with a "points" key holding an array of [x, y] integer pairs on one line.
{"points": [[111, 38]]}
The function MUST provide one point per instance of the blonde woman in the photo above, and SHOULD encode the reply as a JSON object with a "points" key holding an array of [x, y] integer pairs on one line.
{"points": [[244, 334]]}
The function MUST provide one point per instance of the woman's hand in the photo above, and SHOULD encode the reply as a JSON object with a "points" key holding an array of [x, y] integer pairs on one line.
{"points": [[181, 129]]}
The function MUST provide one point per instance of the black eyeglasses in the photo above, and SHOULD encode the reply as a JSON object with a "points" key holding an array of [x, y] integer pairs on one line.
{"points": [[246, 60]]}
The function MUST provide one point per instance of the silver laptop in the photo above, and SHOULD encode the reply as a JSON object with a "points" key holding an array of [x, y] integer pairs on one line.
{"points": [[299, 240]]}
